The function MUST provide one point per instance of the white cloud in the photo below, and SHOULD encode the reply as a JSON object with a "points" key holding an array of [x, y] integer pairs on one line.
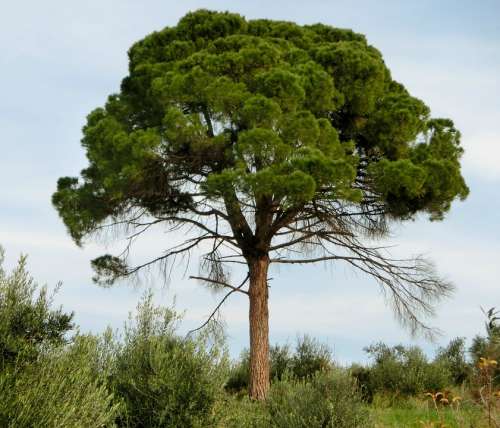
{"points": [[482, 156]]}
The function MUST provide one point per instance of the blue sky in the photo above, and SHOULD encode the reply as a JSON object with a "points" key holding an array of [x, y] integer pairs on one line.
{"points": [[60, 59]]}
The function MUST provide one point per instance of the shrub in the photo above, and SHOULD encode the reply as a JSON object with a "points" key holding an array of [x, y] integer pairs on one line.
{"points": [[28, 323], [404, 371], [62, 388], [163, 379], [488, 346], [241, 412], [362, 376], [238, 378], [326, 399], [309, 357], [453, 357], [281, 361]]}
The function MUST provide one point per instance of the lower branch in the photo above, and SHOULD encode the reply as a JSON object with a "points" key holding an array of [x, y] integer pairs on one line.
{"points": [[214, 312]]}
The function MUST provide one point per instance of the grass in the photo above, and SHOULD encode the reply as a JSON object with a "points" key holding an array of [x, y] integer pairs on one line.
{"points": [[418, 413]]}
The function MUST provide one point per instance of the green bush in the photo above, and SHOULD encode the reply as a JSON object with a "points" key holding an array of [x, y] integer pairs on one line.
{"points": [[62, 388], [237, 381], [241, 412], [362, 376], [453, 357], [281, 361], [309, 357], [28, 323], [488, 346], [165, 380], [402, 371], [327, 399]]}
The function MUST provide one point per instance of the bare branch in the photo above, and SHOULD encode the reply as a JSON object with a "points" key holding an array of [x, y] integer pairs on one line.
{"points": [[224, 284], [214, 312]]}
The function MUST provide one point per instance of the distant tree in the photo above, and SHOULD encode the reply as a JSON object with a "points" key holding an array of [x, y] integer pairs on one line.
{"points": [[454, 357], [278, 143], [28, 322], [488, 346]]}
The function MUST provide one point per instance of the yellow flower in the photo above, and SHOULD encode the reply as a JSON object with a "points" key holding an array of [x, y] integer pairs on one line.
{"points": [[486, 362]]}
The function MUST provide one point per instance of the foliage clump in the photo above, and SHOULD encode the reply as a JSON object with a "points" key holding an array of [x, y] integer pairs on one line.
{"points": [[165, 380], [264, 136], [62, 388], [46, 378], [28, 322], [488, 346], [309, 357], [401, 371], [327, 399], [454, 358]]}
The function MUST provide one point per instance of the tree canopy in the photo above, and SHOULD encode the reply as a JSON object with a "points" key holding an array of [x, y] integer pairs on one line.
{"points": [[266, 137]]}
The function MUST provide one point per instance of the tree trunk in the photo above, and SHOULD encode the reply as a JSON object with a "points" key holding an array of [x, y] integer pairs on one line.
{"points": [[259, 329]]}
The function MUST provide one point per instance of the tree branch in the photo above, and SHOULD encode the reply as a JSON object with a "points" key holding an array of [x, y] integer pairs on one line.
{"points": [[224, 284], [214, 312]]}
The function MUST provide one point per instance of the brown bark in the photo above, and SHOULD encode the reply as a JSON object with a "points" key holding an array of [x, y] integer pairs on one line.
{"points": [[259, 329]]}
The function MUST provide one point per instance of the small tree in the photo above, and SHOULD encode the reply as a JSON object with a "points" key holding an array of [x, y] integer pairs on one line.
{"points": [[271, 140], [28, 322], [165, 380], [454, 357]]}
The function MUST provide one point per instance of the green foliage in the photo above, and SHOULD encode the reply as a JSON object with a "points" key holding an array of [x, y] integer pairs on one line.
{"points": [[402, 371], [488, 346], [362, 374], [44, 380], [165, 380], [454, 358], [62, 388], [239, 373], [308, 358], [327, 399], [297, 114], [241, 412], [28, 323], [417, 413]]}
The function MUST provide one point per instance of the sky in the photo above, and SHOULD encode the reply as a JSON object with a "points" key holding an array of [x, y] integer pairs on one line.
{"points": [[59, 60]]}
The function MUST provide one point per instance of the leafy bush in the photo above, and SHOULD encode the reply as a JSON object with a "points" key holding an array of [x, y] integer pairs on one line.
{"points": [[163, 379], [402, 371], [62, 388], [488, 346], [28, 323], [453, 357], [362, 376], [309, 357], [326, 399], [281, 361], [44, 380], [241, 412]]}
